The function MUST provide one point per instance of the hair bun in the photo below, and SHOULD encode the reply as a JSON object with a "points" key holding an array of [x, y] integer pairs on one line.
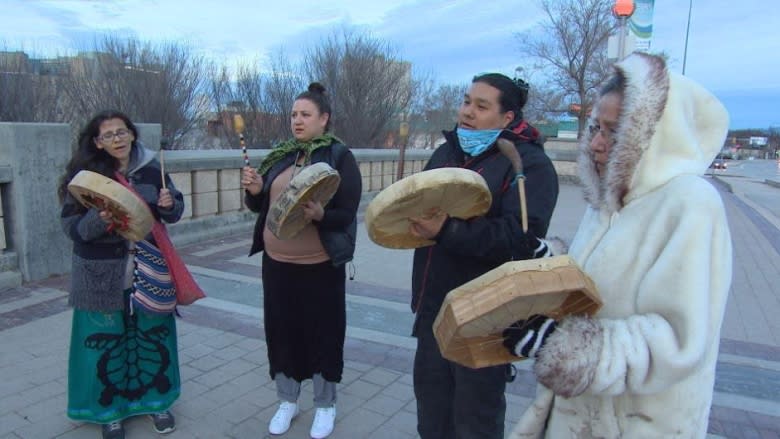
{"points": [[316, 87], [522, 85]]}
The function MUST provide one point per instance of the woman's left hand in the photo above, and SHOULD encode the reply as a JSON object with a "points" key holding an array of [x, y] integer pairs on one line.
{"points": [[165, 200], [313, 211]]}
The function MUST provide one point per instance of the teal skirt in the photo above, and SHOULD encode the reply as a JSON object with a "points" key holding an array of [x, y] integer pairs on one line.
{"points": [[121, 365]]}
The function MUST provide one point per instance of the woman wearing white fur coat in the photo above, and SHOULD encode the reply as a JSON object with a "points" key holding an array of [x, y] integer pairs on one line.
{"points": [[655, 241]]}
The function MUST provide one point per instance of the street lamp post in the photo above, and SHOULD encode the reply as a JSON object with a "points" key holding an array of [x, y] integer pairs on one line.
{"points": [[687, 30], [623, 10]]}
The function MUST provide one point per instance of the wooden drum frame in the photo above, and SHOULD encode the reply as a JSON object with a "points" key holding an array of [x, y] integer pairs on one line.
{"points": [[473, 316]]}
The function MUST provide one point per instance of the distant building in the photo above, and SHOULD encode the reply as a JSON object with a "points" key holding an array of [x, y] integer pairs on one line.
{"points": [[15, 63], [758, 141]]}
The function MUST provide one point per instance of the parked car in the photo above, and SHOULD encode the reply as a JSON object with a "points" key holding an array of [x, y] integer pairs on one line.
{"points": [[719, 164]]}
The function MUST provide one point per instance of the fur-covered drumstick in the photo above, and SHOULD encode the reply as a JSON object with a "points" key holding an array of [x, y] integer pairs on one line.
{"points": [[510, 152], [238, 125]]}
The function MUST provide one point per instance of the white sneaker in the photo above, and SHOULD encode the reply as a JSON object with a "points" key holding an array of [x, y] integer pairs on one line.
{"points": [[280, 423], [323, 422]]}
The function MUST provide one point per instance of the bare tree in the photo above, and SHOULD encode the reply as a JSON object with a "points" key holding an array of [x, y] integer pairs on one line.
{"points": [[152, 83], [572, 43], [438, 111], [423, 88], [369, 85], [30, 89], [242, 96], [263, 100], [221, 93], [282, 85], [543, 100]]}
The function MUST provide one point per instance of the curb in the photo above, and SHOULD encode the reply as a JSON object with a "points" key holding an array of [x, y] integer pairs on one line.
{"points": [[770, 218], [726, 185], [10, 279], [773, 183]]}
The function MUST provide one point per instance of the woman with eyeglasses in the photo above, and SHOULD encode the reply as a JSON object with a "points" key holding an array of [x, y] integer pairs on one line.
{"points": [[656, 243], [122, 362]]}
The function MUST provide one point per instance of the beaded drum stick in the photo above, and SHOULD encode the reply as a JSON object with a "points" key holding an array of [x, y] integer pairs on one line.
{"points": [[238, 125]]}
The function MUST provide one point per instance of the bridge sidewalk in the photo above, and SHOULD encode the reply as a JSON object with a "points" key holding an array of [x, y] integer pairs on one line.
{"points": [[226, 389]]}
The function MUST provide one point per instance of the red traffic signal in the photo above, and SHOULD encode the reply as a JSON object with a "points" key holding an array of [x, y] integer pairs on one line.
{"points": [[623, 8]]}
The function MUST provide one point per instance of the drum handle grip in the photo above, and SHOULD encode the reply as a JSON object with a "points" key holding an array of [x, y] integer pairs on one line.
{"points": [[523, 211], [508, 149]]}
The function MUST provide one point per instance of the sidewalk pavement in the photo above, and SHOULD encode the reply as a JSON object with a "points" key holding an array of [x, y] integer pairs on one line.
{"points": [[226, 390]]}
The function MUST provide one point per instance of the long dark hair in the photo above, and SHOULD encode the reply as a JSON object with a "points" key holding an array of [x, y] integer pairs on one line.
{"points": [[316, 94], [514, 93], [88, 156]]}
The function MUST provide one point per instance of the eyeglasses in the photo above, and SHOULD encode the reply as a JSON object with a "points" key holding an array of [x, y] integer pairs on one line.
{"points": [[608, 134], [108, 137]]}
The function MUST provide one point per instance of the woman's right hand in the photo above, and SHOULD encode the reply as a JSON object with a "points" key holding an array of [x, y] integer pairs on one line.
{"points": [[251, 181], [106, 216]]}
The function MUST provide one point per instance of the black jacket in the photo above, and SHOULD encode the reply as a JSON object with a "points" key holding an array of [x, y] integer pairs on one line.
{"points": [[466, 249], [338, 228]]}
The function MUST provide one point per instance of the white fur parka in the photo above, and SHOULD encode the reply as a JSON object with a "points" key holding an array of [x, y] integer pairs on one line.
{"points": [[655, 241]]}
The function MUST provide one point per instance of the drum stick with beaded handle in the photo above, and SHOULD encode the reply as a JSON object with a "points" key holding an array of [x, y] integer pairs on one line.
{"points": [[510, 152], [238, 125]]}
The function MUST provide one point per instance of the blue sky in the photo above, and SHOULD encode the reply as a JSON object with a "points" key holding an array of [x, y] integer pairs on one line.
{"points": [[732, 49]]}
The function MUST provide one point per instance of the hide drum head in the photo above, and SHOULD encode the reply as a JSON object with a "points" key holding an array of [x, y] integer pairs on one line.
{"points": [[316, 182], [461, 193], [133, 219]]}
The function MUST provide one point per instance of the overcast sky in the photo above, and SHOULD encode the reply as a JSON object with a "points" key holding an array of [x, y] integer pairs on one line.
{"points": [[732, 49]]}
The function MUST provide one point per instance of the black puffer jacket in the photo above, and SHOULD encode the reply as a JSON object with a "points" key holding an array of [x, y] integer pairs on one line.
{"points": [[466, 249], [338, 228]]}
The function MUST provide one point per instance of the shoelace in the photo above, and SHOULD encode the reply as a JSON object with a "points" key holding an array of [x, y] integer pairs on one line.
{"points": [[113, 426], [323, 416], [286, 408], [162, 416]]}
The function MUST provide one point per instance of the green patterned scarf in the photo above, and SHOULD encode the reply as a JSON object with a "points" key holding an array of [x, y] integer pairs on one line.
{"points": [[292, 145]]}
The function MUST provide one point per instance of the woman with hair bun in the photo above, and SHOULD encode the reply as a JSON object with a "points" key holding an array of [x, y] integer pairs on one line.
{"points": [[304, 277]]}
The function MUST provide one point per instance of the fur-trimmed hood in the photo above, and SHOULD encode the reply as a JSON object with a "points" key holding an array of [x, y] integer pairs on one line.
{"points": [[668, 126]]}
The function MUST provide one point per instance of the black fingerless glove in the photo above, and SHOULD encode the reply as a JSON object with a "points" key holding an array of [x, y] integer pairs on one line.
{"points": [[524, 338], [542, 248]]}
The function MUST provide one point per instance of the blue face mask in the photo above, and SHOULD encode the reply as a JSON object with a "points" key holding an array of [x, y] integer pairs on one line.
{"points": [[475, 142]]}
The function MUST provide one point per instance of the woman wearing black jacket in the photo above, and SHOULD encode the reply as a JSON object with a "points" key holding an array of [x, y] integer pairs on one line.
{"points": [[304, 277], [454, 401]]}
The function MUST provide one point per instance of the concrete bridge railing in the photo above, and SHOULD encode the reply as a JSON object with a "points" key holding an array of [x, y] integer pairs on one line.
{"points": [[33, 157]]}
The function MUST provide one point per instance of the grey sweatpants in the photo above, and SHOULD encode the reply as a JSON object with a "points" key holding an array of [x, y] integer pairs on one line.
{"points": [[287, 389]]}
